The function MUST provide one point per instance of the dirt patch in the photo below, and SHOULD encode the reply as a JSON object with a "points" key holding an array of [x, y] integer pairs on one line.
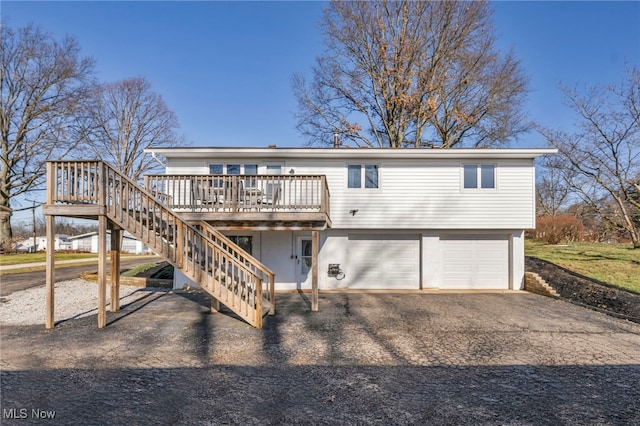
{"points": [[585, 291]]}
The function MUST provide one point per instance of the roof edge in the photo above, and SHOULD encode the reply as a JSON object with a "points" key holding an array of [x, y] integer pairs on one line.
{"points": [[228, 152]]}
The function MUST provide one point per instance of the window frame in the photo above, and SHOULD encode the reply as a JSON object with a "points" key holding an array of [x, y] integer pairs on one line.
{"points": [[479, 167], [241, 168], [362, 179]]}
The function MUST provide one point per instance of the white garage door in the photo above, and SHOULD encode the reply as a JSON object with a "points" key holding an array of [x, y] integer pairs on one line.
{"points": [[475, 262], [383, 262]]}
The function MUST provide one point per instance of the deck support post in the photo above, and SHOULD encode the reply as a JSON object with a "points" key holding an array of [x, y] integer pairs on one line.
{"points": [[215, 305], [116, 242], [51, 271], [314, 271], [102, 271]]}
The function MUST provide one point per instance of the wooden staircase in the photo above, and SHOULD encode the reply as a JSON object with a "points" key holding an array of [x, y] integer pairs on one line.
{"points": [[221, 268]]}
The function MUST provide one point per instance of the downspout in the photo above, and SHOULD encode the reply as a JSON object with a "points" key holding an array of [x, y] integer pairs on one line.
{"points": [[153, 155]]}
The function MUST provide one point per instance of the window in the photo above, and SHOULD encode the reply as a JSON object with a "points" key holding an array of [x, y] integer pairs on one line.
{"points": [[368, 173], [487, 176], [354, 176], [484, 174], [250, 169], [244, 242], [216, 169], [233, 169], [370, 176]]}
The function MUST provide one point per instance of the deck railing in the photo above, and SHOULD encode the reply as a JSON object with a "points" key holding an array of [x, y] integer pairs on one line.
{"points": [[231, 275], [238, 193]]}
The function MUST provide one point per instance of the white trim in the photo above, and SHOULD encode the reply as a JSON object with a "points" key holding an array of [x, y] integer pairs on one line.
{"points": [[347, 153]]}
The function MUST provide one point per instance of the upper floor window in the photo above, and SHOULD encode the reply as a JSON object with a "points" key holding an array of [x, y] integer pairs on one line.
{"points": [[367, 173], [479, 176], [233, 169], [216, 169]]}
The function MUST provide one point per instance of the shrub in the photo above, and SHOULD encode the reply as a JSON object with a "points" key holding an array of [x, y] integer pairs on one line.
{"points": [[557, 229]]}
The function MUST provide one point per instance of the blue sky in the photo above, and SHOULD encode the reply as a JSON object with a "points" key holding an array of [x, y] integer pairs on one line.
{"points": [[225, 67]]}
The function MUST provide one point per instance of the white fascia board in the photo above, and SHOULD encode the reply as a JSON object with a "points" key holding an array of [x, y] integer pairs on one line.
{"points": [[88, 234], [349, 153]]}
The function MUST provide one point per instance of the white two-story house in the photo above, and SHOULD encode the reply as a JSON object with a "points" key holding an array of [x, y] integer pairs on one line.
{"points": [[382, 218]]}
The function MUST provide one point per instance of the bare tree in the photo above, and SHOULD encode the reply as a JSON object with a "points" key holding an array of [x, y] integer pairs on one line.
{"points": [[604, 153], [552, 189], [411, 74], [43, 82], [126, 117]]}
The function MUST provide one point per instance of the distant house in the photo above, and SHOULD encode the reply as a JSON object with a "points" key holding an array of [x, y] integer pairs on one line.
{"points": [[62, 242], [89, 243]]}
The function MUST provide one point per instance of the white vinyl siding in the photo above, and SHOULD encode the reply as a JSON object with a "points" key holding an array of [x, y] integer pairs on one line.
{"points": [[414, 194], [427, 195], [273, 169]]}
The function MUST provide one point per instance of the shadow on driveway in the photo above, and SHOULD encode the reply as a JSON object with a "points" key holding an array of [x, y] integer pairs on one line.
{"points": [[514, 358]]}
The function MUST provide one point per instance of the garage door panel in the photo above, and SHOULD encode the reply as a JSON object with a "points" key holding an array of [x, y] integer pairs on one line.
{"points": [[483, 264], [457, 269], [490, 270], [459, 253], [490, 253], [383, 262]]}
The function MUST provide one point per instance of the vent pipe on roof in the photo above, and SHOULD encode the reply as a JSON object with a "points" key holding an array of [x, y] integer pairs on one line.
{"points": [[336, 140]]}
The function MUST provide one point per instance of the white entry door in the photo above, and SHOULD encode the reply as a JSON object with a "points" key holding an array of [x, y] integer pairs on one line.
{"points": [[304, 260]]}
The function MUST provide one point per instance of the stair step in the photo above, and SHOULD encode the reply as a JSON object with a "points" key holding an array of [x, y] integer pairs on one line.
{"points": [[161, 239]]}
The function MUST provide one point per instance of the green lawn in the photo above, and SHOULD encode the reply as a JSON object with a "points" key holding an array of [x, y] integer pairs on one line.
{"points": [[139, 269], [15, 259], [615, 264]]}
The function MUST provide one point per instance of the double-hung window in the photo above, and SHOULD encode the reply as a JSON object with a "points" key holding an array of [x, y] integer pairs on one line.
{"points": [[479, 176], [363, 175]]}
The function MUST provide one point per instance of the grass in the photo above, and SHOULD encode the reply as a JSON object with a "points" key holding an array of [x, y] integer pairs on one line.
{"points": [[139, 269], [615, 264], [16, 259], [26, 258]]}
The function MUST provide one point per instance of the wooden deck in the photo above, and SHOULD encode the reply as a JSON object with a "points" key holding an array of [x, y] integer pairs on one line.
{"points": [[256, 202]]}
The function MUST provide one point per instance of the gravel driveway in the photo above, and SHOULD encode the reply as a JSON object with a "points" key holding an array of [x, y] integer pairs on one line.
{"points": [[365, 358]]}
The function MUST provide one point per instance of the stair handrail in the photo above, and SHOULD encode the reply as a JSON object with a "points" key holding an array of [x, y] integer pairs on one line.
{"points": [[95, 191], [243, 256]]}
